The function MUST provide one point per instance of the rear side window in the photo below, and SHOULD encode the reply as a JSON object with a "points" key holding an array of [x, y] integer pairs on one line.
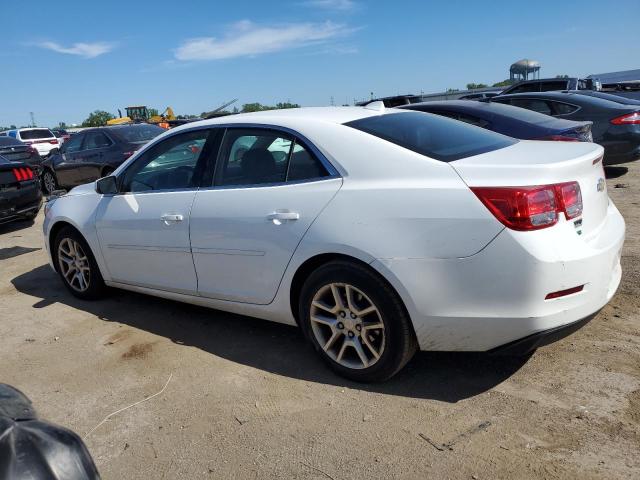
{"points": [[96, 140], [36, 134], [259, 157], [138, 133], [539, 106], [560, 108], [431, 135], [551, 86]]}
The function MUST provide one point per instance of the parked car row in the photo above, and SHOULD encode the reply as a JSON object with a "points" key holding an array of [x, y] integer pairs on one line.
{"points": [[42, 139]]}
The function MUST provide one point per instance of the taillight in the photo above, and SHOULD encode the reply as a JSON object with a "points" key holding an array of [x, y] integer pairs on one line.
{"points": [[570, 197], [564, 293], [23, 174], [531, 208], [54, 141], [628, 119], [559, 138]]}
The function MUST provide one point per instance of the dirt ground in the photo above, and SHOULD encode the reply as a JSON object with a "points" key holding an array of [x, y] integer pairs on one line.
{"points": [[248, 399]]}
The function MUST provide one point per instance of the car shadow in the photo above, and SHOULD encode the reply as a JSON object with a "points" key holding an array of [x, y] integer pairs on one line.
{"points": [[272, 347], [615, 172], [14, 226]]}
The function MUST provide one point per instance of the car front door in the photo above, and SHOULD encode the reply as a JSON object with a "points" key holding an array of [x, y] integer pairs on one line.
{"points": [[268, 188], [144, 228], [65, 163]]}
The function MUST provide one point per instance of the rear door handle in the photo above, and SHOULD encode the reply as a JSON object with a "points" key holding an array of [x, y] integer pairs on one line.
{"points": [[171, 218], [280, 216]]}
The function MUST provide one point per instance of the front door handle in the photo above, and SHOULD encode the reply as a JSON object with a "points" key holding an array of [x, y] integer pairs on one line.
{"points": [[280, 216], [170, 218]]}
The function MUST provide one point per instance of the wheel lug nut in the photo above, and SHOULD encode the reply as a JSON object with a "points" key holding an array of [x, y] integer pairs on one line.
{"points": [[350, 334], [353, 315], [340, 325], [342, 314], [359, 327]]}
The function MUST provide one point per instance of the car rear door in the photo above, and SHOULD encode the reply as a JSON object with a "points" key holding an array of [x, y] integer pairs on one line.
{"points": [[144, 229], [268, 189]]}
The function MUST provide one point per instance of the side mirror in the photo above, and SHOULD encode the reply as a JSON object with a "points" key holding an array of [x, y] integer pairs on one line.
{"points": [[107, 185]]}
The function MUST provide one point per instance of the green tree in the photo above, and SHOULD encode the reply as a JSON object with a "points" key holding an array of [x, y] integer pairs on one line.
{"points": [[562, 76], [97, 118], [254, 107], [504, 83], [452, 90], [62, 125], [284, 105], [473, 86]]}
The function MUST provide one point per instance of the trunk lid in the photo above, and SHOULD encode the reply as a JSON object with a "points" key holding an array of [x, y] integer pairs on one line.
{"points": [[530, 163]]}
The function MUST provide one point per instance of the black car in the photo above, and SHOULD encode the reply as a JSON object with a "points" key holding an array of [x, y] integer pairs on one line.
{"points": [[616, 126], [94, 153], [14, 150], [508, 120], [20, 195]]}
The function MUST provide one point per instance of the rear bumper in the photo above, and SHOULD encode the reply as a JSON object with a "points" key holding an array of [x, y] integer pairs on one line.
{"points": [[18, 203], [497, 296], [534, 341]]}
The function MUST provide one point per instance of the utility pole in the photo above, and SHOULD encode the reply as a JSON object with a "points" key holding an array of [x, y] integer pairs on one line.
{"points": [[332, 102], [33, 120]]}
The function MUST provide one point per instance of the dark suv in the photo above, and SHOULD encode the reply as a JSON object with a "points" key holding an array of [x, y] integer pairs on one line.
{"points": [[94, 153]]}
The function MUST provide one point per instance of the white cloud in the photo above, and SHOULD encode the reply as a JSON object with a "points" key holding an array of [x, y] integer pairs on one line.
{"points": [[86, 50], [332, 4], [247, 39]]}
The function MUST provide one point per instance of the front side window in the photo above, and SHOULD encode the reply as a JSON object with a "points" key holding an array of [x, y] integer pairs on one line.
{"points": [[169, 165], [257, 157], [434, 136], [73, 144]]}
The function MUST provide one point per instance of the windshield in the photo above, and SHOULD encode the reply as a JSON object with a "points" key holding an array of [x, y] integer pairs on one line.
{"points": [[431, 135]]}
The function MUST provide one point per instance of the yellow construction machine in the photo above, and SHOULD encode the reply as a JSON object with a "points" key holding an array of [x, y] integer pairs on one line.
{"points": [[140, 114]]}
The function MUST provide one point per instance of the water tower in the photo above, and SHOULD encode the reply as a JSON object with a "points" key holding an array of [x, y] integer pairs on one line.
{"points": [[524, 70]]}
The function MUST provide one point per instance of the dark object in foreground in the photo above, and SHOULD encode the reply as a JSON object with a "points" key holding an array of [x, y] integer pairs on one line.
{"points": [[20, 195], [35, 449]]}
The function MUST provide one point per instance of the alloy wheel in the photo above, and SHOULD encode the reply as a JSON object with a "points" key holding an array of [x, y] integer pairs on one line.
{"points": [[49, 182], [347, 325], [74, 264]]}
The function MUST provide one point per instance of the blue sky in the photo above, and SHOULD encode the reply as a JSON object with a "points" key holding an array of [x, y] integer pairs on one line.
{"points": [[63, 60]]}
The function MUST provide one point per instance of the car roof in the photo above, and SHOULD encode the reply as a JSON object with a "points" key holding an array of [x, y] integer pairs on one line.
{"points": [[493, 109], [566, 96], [293, 116]]}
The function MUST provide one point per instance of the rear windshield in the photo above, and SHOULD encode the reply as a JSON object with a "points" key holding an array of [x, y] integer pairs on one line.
{"points": [[36, 133], [434, 136], [137, 133]]}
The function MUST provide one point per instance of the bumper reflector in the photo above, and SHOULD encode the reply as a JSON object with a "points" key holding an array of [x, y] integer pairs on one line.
{"points": [[563, 293]]}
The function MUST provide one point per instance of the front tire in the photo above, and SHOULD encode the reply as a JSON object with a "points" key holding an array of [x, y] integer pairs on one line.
{"points": [[77, 266], [356, 322]]}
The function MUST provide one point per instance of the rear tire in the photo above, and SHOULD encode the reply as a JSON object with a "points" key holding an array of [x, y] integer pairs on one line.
{"points": [[356, 322], [49, 182], [77, 266]]}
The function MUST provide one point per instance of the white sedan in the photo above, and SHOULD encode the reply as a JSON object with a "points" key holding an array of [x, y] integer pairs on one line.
{"points": [[378, 232]]}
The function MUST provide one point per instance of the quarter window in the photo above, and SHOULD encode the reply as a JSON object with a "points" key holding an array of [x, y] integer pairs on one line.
{"points": [[169, 165]]}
